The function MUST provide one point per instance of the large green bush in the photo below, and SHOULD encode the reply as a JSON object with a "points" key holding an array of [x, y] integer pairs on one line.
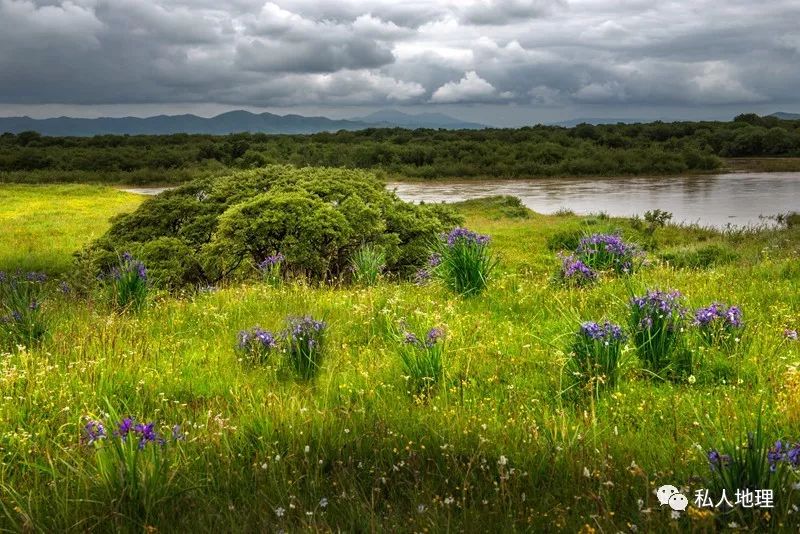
{"points": [[219, 227]]}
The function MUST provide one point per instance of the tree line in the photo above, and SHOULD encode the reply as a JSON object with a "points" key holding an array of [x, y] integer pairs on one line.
{"points": [[615, 149]]}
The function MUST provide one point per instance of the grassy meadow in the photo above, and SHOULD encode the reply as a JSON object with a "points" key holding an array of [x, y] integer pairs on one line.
{"points": [[498, 447], [42, 226]]}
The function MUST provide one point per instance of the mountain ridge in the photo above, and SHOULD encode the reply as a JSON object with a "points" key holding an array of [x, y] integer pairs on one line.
{"points": [[234, 121]]}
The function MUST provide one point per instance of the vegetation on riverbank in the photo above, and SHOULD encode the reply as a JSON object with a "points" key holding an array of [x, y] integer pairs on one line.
{"points": [[585, 150], [496, 446]]}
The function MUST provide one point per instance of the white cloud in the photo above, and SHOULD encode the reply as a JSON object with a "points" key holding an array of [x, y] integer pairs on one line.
{"points": [[470, 88]]}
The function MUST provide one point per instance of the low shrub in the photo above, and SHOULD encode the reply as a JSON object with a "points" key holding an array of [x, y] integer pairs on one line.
{"points": [[170, 263], [565, 240], [316, 217]]}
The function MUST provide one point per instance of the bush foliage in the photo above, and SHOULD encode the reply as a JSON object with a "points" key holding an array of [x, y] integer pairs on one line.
{"points": [[214, 228]]}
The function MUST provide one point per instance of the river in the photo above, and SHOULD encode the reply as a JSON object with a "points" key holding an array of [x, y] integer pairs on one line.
{"points": [[719, 200]]}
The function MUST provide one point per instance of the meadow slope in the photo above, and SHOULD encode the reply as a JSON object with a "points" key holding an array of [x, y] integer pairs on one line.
{"points": [[497, 448]]}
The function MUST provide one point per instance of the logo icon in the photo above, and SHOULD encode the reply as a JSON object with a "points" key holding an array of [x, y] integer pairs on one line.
{"points": [[669, 495]]}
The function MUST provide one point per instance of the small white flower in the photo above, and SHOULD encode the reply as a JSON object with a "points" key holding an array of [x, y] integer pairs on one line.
{"points": [[503, 460], [264, 465], [279, 511], [449, 500], [277, 457], [323, 502], [586, 472], [307, 449], [346, 430], [692, 379], [675, 514], [420, 508]]}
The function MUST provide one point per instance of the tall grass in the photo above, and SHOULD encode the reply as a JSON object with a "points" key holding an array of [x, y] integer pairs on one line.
{"points": [[465, 262], [256, 345], [127, 284], [367, 264], [422, 359], [304, 339], [23, 321], [658, 328], [596, 357], [133, 469], [271, 269]]}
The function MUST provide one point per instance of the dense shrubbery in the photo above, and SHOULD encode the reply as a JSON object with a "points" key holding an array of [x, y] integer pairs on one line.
{"points": [[317, 218], [618, 149]]}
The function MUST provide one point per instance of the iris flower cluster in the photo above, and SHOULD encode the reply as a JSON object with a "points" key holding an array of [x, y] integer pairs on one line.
{"points": [[94, 431], [719, 323], [607, 251], [656, 324], [129, 267], [422, 358], [717, 460], [301, 340], [729, 316], [270, 268], [463, 261], [128, 284], [784, 452], [463, 235], [657, 304], [256, 344], [304, 345], [596, 357], [607, 331], [431, 338], [22, 320], [575, 271], [271, 261]]}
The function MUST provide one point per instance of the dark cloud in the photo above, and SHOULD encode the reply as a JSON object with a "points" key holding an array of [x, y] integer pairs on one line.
{"points": [[545, 54], [497, 12]]}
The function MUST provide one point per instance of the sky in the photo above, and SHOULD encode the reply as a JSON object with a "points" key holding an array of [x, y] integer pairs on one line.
{"points": [[499, 62]]}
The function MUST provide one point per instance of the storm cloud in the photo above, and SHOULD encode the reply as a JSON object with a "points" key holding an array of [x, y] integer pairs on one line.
{"points": [[533, 54]]}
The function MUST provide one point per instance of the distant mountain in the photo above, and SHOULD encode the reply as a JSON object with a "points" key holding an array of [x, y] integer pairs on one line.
{"points": [[226, 123], [786, 116], [394, 118], [231, 122], [596, 120]]}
